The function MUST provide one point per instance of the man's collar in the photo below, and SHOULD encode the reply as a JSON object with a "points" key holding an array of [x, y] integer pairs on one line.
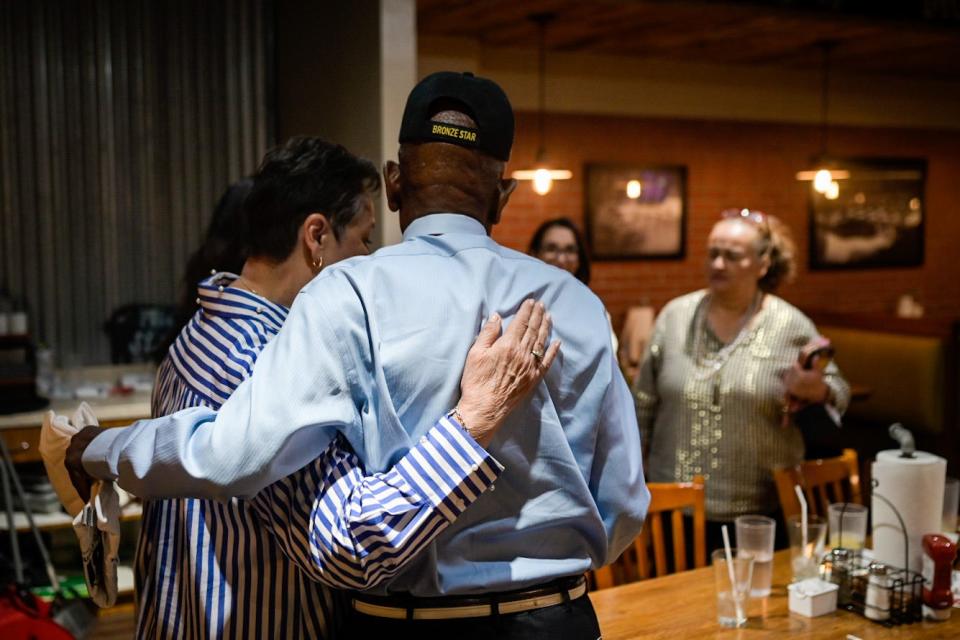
{"points": [[439, 223]]}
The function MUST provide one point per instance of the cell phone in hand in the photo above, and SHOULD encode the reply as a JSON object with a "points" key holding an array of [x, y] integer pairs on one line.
{"points": [[816, 353]]}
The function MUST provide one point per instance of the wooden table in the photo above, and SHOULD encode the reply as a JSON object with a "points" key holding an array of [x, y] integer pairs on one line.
{"points": [[683, 607]]}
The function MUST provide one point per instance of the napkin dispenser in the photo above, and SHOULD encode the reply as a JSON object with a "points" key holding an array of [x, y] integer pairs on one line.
{"points": [[812, 597]]}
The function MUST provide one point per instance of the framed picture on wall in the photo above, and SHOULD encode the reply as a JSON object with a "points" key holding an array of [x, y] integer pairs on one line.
{"points": [[636, 211], [874, 219]]}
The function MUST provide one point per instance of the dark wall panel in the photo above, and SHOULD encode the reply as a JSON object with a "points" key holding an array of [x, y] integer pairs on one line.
{"points": [[121, 122]]}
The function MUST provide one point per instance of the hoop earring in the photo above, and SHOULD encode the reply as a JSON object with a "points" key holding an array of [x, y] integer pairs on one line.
{"points": [[318, 264]]}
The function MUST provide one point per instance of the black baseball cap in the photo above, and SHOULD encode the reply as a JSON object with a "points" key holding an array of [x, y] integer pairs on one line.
{"points": [[480, 98]]}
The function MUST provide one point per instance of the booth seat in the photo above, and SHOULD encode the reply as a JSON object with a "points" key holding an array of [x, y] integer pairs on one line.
{"points": [[907, 370]]}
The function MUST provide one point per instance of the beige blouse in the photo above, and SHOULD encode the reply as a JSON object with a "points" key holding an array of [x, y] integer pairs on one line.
{"points": [[725, 424]]}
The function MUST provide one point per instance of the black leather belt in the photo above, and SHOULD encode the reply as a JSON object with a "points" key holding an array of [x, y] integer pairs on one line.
{"points": [[407, 607]]}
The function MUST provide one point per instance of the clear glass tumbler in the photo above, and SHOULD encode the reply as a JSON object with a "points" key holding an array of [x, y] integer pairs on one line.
{"points": [[951, 504], [848, 525], [756, 534], [806, 551], [732, 594]]}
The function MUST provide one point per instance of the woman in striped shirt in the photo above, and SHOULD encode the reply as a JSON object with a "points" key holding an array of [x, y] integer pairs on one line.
{"points": [[256, 568]]}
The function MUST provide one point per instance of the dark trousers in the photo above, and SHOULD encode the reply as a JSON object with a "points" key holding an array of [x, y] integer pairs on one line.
{"points": [[574, 620]]}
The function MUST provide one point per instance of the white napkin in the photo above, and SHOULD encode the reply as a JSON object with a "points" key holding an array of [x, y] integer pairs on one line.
{"points": [[98, 530], [54, 440], [96, 524]]}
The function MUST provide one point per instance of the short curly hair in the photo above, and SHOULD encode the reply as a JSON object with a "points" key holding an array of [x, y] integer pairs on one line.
{"points": [[776, 242], [305, 175]]}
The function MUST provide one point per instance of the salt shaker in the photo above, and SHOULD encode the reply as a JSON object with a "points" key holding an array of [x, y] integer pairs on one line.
{"points": [[878, 593]]}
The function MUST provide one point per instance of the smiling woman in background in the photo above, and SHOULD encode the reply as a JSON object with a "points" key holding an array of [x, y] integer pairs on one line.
{"points": [[558, 242], [714, 380]]}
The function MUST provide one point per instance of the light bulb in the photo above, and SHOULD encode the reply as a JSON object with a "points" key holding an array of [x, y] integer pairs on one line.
{"points": [[822, 180], [634, 189], [833, 190], [542, 181]]}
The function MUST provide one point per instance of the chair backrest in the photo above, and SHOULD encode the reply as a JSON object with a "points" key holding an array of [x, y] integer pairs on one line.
{"points": [[823, 481], [137, 331], [667, 499]]}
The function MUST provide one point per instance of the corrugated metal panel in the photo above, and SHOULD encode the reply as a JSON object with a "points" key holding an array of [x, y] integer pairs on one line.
{"points": [[121, 122]]}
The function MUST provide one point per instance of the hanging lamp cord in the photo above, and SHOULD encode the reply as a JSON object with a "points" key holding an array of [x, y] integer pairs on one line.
{"points": [[825, 48], [542, 19]]}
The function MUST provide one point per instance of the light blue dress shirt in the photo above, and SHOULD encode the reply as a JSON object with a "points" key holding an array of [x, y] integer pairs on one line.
{"points": [[374, 348]]}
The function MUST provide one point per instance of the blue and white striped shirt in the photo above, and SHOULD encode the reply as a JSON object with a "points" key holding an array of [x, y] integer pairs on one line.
{"points": [[251, 568]]}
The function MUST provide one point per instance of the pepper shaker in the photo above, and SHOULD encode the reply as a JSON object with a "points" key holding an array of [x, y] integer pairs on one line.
{"points": [[840, 574]]}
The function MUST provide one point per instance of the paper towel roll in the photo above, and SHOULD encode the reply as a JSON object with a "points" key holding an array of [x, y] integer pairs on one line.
{"points": [[915, 487]]}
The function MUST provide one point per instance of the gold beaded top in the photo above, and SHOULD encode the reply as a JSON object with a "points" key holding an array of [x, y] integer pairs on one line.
{"points": [[725, 425]]}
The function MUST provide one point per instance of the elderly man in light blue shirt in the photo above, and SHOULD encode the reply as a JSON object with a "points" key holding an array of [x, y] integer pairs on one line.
{"points": [[374, 347]]}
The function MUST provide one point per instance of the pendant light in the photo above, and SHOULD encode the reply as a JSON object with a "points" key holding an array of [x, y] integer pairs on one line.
{"points": [[541, 174], [825, 174]]}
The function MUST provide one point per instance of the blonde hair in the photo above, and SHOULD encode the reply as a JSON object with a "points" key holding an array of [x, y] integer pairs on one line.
{"points": [[778, 245]]}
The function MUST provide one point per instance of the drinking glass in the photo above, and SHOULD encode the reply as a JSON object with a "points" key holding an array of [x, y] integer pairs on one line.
{"points": [[756, 535], [732, 596], [951, 505], [805, 558], [848, 525]]}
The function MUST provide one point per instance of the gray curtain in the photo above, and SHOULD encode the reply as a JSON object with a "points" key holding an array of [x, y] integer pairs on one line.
{"points": [[121, 122]]}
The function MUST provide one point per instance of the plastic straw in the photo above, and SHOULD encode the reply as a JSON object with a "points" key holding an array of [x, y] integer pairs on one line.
{"points": [[731, 573], [803, 518]]}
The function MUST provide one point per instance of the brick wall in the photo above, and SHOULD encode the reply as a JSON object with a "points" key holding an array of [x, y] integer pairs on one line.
{"points": [[733, 164]]}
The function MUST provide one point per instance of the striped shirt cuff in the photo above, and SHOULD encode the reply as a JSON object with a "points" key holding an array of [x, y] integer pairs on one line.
{"points": [[448, 468]]}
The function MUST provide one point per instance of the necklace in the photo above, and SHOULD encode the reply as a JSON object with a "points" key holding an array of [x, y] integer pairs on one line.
{"points": [[238, 283], [709, 366]]}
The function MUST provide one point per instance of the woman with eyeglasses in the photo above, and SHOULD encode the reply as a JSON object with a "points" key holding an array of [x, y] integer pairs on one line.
{"points": [[558, 242], [712, 389]]}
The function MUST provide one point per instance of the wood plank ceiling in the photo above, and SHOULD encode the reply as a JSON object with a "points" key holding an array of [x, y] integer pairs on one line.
{"points": [[718, 32]]}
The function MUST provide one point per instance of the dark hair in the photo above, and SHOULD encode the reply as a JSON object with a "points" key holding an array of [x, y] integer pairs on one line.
{"points": [[306, 175], [536, 243], [223, 249]]}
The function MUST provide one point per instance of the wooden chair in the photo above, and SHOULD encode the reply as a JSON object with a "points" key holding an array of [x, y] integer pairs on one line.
{"points": [[823, 481], [635, 563]]}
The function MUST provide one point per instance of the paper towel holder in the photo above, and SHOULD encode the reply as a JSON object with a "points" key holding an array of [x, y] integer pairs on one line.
{"points": [[903, 526], [903, 436]]}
